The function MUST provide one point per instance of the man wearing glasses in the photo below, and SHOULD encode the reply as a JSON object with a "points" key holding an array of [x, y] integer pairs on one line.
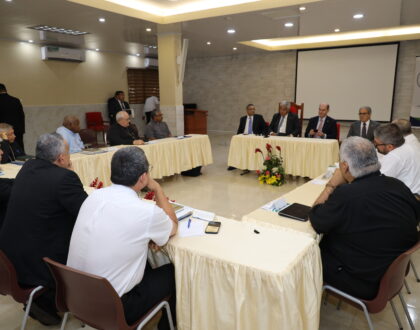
{"points": [[363, 127], [401, 161]]}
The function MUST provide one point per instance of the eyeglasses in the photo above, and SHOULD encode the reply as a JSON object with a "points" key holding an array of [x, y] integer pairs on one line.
{"points": [[363, 113], [381, 144]]}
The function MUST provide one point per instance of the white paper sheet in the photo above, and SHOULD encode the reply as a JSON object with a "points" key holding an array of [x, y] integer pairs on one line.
{"points": [[196, 228]]}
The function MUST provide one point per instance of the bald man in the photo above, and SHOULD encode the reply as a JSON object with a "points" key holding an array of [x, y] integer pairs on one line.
{"points": [[70, 132], [322, 126]]}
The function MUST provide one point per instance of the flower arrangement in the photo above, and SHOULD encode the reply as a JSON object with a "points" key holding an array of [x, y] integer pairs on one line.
{"points": [[273, 171], [96, 184]]}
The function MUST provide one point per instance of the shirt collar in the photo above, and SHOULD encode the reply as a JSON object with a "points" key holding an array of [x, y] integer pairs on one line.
{"points": [[377, 173], [124, 189], [69, 131]]}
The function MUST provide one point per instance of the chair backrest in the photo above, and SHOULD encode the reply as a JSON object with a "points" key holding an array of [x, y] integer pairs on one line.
{"points": [[94, 119], [8, 281], [392, 281], [338, 131], [88, 136], [298, 109], [90, 298]]}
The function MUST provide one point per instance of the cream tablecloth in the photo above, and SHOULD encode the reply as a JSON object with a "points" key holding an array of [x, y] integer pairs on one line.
{"points": [[301, 156], [242, 280], [167, 157], [305, 194], [9, 170]]}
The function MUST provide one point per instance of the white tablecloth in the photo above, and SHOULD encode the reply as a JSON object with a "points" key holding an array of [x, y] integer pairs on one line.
{"points": [[301, 156]]}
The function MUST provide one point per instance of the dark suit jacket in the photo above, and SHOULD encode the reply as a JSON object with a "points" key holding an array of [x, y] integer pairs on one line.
{"points": [[118, 135], [292, 125], [329, 128], [11, 151], [11, 112], [113, 107], [355, 129], [41, 213], [258, 125], [5, 190]]}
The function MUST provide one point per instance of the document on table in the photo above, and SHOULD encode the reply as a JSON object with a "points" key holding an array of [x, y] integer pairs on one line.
{"points": [[195, 228], [276, 205], [203, 215]]}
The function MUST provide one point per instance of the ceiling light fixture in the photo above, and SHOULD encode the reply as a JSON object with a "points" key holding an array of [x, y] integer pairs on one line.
{"points": [[31, 41], [231, 31], [8, 0], [57, 30], [101, 19], [208, 43], [234, 48], [97, 49], [336, 30], [288, 24], [148, 29], [358, 16], [302, 8], [137, 54]]}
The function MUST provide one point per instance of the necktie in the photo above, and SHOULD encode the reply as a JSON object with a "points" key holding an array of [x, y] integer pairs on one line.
{"points": [[281, 122], [122, 105], [320, 124], [250, 125], [364, 131]]}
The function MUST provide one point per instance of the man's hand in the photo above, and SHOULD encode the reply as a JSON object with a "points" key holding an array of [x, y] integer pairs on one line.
{"points": [[138, 142], [337, 179], [311, 132], [153, 185], [320, 134], [273, 134]]}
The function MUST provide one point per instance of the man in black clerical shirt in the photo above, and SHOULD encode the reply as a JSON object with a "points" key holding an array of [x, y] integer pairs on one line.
{"points": [[5, 191], [122, 133], [12, 150], [367, 219]]}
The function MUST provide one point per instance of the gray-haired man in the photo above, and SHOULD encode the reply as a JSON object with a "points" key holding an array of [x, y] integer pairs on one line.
{"points": [[365, 126], [367, 219]]}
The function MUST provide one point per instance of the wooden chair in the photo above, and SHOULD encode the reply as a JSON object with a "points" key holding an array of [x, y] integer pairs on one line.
{"points": [[390, 286], [297, 109], [338, 131], [93, 300], [9, 286]]}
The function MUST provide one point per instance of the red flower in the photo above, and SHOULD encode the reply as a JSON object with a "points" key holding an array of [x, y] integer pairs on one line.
{"points": [[278, 148], [277, 175], [267, 172], [94, 183], [100, 185], [150, 195], [268, 147], [258, 172], [267, 158], [258, 150]]}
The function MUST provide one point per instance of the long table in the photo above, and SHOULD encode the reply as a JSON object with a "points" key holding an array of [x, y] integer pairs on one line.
{"points": [[301, 156], [240, 279], [166, 156]]}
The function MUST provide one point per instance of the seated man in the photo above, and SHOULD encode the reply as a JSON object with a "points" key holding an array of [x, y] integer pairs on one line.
{"points": [[363, 127], [70, 132], [118, 216], [156, 128], [5, 191], [252, 123], [322, 126], [43, 206], [401, 160], [122, 132], [367, 219], [284, 123], [11, 149], [405, 127]]}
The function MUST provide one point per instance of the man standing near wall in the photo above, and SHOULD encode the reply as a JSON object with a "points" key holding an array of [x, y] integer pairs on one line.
{"points": [[151, 104], [11, 112], [116, 104]]}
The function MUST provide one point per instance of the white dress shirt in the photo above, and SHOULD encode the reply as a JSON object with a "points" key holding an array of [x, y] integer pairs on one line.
{"points": [[403, 163], [248, 118], [412, 140], [151, 104], [282, 128], [73, 139], [111, 236]]}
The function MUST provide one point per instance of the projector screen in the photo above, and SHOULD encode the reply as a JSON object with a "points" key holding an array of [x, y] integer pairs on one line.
{"points": [[347, 78]]}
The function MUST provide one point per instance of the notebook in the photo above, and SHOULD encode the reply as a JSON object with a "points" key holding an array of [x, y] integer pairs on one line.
{"points": [[296, 211]]}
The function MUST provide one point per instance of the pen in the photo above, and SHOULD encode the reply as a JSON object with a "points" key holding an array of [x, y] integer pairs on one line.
{"points": [[189, 222]]}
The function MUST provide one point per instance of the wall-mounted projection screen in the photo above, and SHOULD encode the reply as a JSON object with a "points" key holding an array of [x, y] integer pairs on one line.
{"points": [[347, 78]]}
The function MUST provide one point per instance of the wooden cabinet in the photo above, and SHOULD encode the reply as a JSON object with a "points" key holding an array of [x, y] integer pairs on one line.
{"points": [[195, 121]]}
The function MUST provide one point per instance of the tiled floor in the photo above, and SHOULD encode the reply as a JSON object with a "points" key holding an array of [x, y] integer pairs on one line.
{"points": [[231, 195]]}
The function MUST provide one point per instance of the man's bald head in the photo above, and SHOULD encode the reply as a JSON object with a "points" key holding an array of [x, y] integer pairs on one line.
{"points": [[72, 123]]}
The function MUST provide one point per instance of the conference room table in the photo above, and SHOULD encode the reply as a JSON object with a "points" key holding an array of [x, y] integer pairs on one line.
{"points": [[9, 171], [306, 157], [247, 277]]}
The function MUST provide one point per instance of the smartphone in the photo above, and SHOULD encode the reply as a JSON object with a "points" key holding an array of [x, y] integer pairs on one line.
{"points": [[213, 227]]}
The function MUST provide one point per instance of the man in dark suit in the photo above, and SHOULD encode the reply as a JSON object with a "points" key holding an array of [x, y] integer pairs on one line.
{"points": [[252, 123], [43, 207], [364, 127], [284, 123], [116, 104], [11, 112], [5, 190], [322, 126], [122, 132], [11, 149]]}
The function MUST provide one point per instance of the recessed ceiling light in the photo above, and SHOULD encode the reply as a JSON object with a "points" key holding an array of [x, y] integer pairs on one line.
{"points": [[102, 20], [137, 54], [231, 31], [97, 49], [208, 43], [154, 47], [31, 41], [8, 0], [288, 24], [358, 16], [234, 48], [336, 30], [148, 29], [302, 8], [57, 30]]}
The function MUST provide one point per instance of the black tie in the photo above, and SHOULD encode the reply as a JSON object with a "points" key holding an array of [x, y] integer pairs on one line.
{"points": [[364, 130]]}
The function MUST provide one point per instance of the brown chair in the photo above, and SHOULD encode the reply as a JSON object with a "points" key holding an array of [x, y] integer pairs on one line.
{"points": [[297, 109], [88, 137], [390, 286], [93, 300], [9, 286]]}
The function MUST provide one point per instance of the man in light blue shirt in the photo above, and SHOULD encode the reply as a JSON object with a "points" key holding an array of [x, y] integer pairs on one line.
{"points": [[70, 132]]}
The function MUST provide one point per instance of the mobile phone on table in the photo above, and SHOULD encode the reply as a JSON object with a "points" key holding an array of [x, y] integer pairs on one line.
{"points": [[213, 227]]}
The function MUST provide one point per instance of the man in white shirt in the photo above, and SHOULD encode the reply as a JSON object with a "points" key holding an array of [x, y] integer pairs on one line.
{"points": [[405, 127], [70, 132], [401, 161], [151, 103], [114, 229], [365, 126]]}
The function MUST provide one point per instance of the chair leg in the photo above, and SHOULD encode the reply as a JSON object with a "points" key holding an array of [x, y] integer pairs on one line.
{"points": [[325, 298], [163, 304], [397, 317], [63, 323], [28, 306], [168, 312], [406, 311], [414, 271], [407, 287]]}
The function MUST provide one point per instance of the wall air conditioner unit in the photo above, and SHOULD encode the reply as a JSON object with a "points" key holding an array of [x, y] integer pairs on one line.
{"points": [[62, 54], [150, 63]]}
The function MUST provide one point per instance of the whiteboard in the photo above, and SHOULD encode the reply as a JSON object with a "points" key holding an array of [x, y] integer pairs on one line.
{"points": [[347, 78]]}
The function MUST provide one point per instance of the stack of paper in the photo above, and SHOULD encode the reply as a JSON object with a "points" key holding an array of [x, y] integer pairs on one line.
{"points": [[191, 228], [203, 215]]}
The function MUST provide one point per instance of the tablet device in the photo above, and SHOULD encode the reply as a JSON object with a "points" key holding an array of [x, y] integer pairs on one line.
{"points": [[296, 211]]}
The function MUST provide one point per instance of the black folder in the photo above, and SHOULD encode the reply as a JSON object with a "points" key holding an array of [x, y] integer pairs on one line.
{"points": [[296, 211]]}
